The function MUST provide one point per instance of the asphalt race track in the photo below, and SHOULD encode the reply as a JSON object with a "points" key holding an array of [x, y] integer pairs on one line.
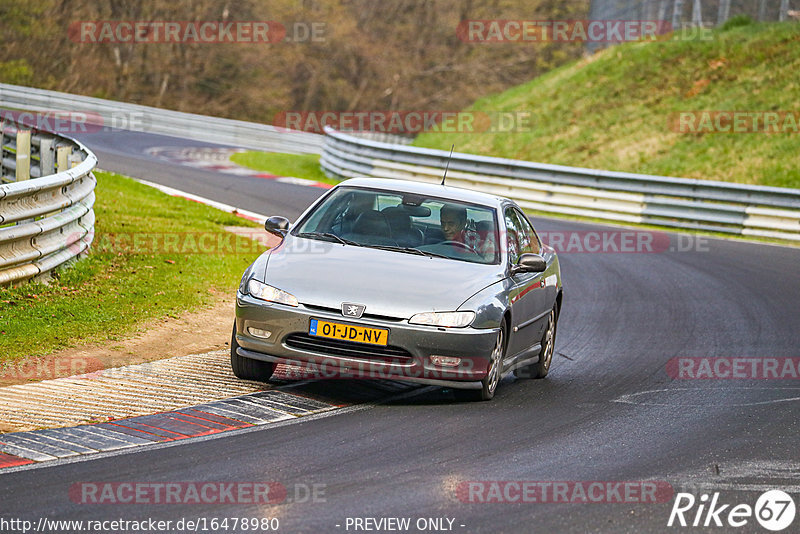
{"points": [[609, 411], [125, 152]]}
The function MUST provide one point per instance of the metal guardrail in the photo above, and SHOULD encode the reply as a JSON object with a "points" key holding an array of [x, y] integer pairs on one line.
{"points": [[770, 212], [46, 200], [134, 117]]}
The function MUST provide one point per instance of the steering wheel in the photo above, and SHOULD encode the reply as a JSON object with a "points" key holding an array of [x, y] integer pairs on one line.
{"points": [[460, 244]]}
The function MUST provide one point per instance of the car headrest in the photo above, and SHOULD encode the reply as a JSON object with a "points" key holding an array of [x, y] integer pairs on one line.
{"points": [[397, 217], [371, 223]]}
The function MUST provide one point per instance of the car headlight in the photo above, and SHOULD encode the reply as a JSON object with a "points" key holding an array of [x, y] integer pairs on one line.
{"points": [[244, 280], [271, 294], [446, 319]]}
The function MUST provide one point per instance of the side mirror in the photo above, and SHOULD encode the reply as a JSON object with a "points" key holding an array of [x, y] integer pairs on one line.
{"points": [[278, 226], [529, 263]]}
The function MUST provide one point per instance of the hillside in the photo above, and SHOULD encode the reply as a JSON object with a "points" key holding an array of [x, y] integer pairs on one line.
{"points": [[363, 54], [617, 109]]}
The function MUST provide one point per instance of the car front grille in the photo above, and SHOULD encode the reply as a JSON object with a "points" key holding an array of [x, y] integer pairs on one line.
{"points": [[348, 349], [365, 316]]}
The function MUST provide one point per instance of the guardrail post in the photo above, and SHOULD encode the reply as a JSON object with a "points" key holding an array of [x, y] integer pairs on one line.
{"points": [[47, 157], [2, 144], [23, 171], [63, 153], [47, 160]]}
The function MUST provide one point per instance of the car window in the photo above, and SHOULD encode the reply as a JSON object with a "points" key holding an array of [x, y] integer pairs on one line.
{"points": [[453, 229], [529, 240], [512, 236]]}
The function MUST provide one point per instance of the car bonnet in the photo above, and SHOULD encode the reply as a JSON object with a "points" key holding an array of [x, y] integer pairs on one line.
{"points": [[392, 284]]}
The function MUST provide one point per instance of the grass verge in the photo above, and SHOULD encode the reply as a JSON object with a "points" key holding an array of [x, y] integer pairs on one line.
{"points": [[297, 165], [153, 256], [616, 110]]}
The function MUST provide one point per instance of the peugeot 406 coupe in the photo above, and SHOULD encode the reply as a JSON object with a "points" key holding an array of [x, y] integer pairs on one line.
{"points": [[390, 279]]}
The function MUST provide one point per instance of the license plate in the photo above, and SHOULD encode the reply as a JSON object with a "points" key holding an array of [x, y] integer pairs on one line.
{"points": [[349, 332]]}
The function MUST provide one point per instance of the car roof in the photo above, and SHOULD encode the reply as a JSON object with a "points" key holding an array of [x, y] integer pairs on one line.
{"points": [[427, 189]]}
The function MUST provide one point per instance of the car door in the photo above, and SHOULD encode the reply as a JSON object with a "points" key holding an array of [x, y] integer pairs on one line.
{"points": [[528, 293]]}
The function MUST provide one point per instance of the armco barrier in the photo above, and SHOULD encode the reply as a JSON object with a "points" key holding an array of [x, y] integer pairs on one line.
{"points": [[771, 212], [134, 117], [46, 199]]}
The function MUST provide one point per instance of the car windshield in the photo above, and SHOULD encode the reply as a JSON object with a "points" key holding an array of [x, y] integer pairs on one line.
{"points": [[405, 223]]}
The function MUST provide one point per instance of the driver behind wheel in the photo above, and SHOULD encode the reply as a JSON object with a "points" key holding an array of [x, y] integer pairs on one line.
{"points": [[453, 220]]}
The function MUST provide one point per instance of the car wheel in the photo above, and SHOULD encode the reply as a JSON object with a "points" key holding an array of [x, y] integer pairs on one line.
{"points": [[247, 368], [492, 379], [542, 367]]}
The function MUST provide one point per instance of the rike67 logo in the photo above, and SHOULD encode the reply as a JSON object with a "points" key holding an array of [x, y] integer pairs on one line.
{"points": [[774, 510]]}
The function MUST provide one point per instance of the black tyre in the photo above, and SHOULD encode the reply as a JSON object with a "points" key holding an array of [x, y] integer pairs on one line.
{"points": [[492, 379], [542, 367], [247, 368]]}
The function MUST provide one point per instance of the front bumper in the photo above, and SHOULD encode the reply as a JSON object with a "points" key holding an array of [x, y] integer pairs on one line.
{"points": [[473, 346]]}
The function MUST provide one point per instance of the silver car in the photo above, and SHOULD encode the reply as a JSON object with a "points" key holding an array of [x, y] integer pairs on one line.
{"points": [[404, 281]]}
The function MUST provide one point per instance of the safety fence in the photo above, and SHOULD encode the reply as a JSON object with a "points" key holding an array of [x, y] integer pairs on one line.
{"points": [[46, 200], [770, 212], [111, 115]]}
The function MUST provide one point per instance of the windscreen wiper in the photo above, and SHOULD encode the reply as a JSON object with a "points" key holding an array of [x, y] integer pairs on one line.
{"points": [[328, 235], [411, 250]]}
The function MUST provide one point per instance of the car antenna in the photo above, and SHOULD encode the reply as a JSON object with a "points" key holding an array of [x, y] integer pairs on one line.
{"points": [[448, 163]]}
